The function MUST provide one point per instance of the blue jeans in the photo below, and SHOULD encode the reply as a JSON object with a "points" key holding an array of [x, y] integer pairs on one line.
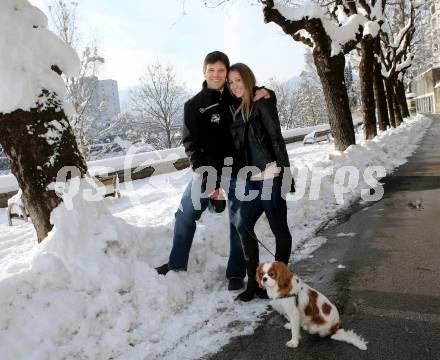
{"points": [[185, 227], [275, 208]]}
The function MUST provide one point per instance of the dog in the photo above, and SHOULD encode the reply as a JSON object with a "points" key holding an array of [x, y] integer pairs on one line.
{"points": [[303, 306]]}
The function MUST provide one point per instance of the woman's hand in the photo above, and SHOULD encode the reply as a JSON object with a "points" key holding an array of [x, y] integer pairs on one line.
{"points": [[215, 194], [260, 94]]}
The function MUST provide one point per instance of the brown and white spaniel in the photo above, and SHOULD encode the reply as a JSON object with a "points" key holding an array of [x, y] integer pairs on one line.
{"points": [[303, 306]]}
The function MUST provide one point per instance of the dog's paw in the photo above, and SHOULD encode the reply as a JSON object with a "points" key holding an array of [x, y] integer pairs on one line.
{"points": [[293, 343], [287, 326]]}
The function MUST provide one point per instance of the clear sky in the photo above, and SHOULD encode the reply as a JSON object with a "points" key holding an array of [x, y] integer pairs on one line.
{"points": [[132, 33]]}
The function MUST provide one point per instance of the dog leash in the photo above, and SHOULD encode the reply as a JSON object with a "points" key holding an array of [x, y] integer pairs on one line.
{"points": [[253, 237], [281, 297]]}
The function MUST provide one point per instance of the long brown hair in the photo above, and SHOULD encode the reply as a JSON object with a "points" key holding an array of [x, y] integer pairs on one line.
{"points": [[249, 83]]}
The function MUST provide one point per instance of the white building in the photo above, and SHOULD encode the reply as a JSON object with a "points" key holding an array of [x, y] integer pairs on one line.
{"points": [[425, 88], [435, 31], [104, 99]]}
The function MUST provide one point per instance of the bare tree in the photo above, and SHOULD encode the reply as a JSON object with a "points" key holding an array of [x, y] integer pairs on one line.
{"points": [[352, 82], [285, 102], [158, 105], [301, 103], [312, 108], [419, 50], [81, 88], [396, 57], [374, 10], [423, 41], [132, 127]]}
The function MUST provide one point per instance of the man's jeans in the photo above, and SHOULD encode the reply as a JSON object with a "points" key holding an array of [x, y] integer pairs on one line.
{"points": [[275, 208], [185, 227]]}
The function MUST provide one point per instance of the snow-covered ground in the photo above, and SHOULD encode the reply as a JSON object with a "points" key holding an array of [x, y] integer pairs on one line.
{"points": [[90, 291]]}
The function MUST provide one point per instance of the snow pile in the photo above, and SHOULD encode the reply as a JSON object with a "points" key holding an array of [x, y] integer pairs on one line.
{"points": [[90, 289], [29, 51], [380, 156]]}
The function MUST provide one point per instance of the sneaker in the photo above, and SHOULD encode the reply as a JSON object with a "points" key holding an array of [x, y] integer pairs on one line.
{"points": [[235, 284], [163, 270]]}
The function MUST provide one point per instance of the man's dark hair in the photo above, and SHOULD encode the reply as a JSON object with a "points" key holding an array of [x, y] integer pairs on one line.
{"points": [[215, 56]]}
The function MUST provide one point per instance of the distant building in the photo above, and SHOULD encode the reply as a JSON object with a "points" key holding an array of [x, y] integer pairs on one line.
{"points": [[104, 98], [434, 31], [426, 89]]}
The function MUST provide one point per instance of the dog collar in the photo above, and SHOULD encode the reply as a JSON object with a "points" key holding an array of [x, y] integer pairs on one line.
{"points": [[289, 296]]}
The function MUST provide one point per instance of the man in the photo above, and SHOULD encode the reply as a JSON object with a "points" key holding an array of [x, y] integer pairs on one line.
{"points": [[208, 142]]}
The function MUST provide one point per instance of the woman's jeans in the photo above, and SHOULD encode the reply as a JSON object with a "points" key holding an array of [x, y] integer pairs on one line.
{"points": [[270, 201], [190, 210]]}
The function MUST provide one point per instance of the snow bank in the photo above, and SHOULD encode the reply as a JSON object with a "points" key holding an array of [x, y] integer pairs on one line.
{"points": [[29, 51], [90, 289]]}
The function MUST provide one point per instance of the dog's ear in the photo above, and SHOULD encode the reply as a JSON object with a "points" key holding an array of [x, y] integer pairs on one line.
{"points": [[260, 275], [283, 276]]}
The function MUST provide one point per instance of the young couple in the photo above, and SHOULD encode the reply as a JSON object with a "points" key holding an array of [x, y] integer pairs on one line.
{"points": [[230, 120]]}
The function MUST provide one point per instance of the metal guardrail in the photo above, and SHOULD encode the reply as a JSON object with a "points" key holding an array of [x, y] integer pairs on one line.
{"points": [[136, 174], [142, 173]]}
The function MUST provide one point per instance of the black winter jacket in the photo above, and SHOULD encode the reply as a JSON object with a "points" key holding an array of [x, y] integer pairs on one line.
{"points": [[259, 139], [206, 133]]}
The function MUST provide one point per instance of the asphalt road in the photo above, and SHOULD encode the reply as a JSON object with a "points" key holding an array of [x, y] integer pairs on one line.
{"points": [[389, 291]]}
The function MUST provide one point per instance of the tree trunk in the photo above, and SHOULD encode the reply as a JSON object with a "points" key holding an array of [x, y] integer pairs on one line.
{"points": [[381, 100], [397, 111], [38, 144], [390, 101], [402, 99], [331, 73], [169, 140], [379, 92], [367, 88]]}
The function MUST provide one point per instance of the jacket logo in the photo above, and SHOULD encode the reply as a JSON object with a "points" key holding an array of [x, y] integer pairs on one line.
{"points": [[215, 118], [202, 110]]}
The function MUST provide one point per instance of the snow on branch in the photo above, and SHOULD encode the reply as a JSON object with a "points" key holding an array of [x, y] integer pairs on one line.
{"points": [[344, 25], [289, 26], [396, 56], [400, 37], [31, 57]]}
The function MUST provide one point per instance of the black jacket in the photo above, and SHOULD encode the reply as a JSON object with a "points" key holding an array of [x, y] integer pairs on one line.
{"points": [[206, 133], [259, 140]]}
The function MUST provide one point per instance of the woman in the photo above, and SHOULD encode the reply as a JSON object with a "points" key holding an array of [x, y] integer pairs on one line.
{"points": [[257, 135]]}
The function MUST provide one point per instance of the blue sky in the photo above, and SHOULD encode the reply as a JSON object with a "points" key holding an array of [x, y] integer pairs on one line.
{"points": [[133, 33]]}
